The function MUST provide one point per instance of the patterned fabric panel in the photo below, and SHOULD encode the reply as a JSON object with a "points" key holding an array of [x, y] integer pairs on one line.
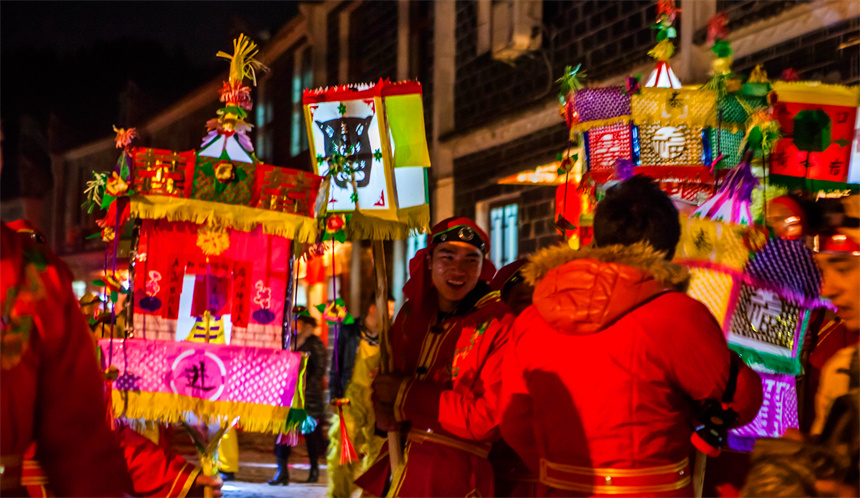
{"points": [[160, 172], [606, 144], [670, 145], [713, 289], [764, 316], [208, 188], [778, 410], [729, 146], [602, 103], [668, 106], [789, 265]]}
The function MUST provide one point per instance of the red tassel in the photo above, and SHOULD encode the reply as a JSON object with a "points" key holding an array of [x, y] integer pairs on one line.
{"points": [[347, 452]]}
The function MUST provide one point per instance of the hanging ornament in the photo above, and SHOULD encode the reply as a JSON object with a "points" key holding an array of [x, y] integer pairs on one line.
{"points": [[335, 312], [722, 80], [347, 451], [733, 199], [762, 133], [662, 76], [790, 75]]}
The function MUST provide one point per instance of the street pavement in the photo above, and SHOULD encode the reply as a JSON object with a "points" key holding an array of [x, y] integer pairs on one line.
{"points": [[257, 465]]}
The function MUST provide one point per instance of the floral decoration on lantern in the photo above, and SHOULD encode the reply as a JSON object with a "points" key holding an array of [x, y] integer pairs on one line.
{"points": [[212, 241], [116, 185], [335, 312], [111, 284], [225, 172], [666, 13], [334, 227]]}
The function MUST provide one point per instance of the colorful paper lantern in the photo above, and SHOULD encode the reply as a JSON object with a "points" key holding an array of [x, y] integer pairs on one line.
{"points": [[369, 142]]}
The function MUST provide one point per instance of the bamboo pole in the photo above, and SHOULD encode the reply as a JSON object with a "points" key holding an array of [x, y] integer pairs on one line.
{"points": [[395, 453]]}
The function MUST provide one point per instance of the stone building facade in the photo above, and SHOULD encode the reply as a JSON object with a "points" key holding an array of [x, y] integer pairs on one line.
{"points": [[488, 70]]}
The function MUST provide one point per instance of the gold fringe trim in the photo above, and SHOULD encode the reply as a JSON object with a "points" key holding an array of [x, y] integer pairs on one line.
{"points": [[814, 92], [587, 125], [169, 408], [411, 220], [216, 214]]}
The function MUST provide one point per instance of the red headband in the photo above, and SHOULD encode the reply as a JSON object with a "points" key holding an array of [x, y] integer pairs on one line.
{"points": [[419, 278]]}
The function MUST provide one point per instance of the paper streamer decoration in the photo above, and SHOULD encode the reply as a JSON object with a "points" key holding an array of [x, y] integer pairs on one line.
{"points": [[778, 410], [162, 380]]}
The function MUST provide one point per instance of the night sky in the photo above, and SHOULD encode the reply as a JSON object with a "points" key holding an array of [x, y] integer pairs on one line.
{"points": [[65, 65]]}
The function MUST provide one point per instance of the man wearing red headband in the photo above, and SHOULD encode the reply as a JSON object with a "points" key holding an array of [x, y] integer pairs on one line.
{"points": [[447, 344]]}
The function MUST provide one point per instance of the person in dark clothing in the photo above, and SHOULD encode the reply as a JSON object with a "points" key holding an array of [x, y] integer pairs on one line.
{"points": [[310, 343]]}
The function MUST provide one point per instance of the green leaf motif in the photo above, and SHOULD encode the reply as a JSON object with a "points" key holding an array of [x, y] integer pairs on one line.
{"points": [[320, 307], [107, 200], [99, 283]]}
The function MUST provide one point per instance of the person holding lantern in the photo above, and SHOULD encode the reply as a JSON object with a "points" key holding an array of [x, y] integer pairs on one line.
{"points": [[442, 394]]}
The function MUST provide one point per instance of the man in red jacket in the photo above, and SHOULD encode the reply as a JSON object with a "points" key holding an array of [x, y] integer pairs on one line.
{"points": [[607, 370], [36, 291], [447, 344], [51, 392]]}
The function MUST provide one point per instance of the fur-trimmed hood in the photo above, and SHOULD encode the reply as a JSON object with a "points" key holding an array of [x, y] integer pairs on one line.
{"points": [[580, 292]]}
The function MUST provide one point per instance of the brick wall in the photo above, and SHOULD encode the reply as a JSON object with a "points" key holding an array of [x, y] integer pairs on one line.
{"points": [[257, 336], [608, 38], [164, 329], [373, 42], [332, 63], [476, 176], [280, 89], [815, 56], [421, 19]]}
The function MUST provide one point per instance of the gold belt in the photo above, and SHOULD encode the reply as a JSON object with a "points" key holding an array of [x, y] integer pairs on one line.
{"points": [[663, 478], [481, 450], [10, 471]]}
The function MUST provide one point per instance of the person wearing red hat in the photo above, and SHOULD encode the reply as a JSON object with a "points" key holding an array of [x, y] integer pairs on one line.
{"points": [[447, 344], [612, 367]]}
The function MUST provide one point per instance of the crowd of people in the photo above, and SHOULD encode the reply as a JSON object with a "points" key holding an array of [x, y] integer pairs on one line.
{"points": [[572, 373]]}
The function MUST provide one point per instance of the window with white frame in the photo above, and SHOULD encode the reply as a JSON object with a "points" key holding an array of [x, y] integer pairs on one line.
{"points": [[504, 234]]}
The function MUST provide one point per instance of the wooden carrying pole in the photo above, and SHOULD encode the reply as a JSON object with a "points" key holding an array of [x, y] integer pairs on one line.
{"points": [[395, 452]]}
